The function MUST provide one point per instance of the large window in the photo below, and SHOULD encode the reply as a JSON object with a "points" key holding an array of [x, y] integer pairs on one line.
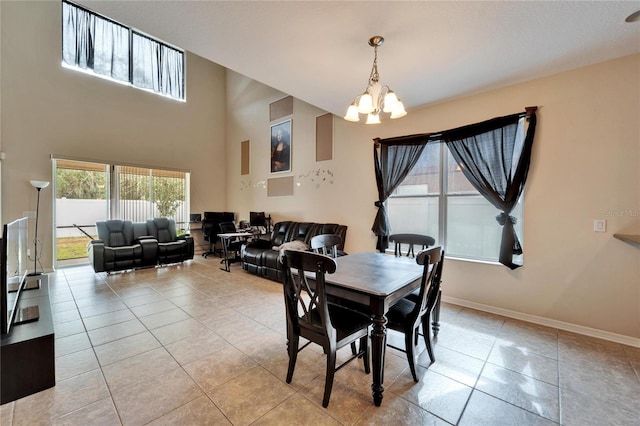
{"points": [[90, 191], [103, 47], [437, 200]]}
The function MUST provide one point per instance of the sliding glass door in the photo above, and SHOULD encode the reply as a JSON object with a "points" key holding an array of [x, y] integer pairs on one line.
{"points": [[90, 191], [82, 198]]}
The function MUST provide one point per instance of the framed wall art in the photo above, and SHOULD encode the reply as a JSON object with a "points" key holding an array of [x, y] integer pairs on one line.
{"points": [[281, 147]]}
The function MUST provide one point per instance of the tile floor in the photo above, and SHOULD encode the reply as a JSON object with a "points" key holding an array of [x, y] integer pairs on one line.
{"points": [[191, 345]]}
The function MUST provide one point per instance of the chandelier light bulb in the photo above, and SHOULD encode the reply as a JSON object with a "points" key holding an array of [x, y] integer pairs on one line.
{"points": [[365, 106], [398, 111], [373, 119], [352, 113], [390, 101], [376, 98]]}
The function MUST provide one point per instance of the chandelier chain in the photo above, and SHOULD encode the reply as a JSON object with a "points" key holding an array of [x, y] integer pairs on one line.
{"points": [[374, 77]]}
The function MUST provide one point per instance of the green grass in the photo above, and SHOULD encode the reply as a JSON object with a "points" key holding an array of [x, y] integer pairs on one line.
{"points": [[72, 247]]}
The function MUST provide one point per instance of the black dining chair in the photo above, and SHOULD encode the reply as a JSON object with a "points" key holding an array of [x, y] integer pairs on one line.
{"points": [[311, 317], [425, 241], [326, 244], [409, 313]]}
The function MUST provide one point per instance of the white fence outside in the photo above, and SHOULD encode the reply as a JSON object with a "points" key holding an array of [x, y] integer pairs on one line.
{"points": [[85, 213]]}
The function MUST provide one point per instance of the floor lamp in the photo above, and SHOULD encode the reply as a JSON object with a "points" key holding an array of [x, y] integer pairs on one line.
{"points": [[39, 185]]}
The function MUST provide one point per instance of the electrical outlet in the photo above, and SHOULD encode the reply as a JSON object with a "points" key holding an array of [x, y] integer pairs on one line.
{"points": [[28, 252], [599, 225]]}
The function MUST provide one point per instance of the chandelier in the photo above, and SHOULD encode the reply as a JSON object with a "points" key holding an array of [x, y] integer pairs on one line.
{"points": [[376, 98]]}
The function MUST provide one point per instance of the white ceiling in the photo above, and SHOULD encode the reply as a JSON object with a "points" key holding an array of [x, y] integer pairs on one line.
{"points": [[318, 51]]}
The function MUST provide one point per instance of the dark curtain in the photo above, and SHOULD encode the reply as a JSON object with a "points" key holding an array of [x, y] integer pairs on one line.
{"points": [[397, 158], [492, 155], [497, 166]]}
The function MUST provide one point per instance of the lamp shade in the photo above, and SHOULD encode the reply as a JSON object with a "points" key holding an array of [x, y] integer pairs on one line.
{"points": [[398, 111], [39, 184], [365, 106], [390, 101], [373, 119], [352, 113]]}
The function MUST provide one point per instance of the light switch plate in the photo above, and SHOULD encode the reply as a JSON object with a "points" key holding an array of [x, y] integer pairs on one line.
{"points": [[599, 225]]}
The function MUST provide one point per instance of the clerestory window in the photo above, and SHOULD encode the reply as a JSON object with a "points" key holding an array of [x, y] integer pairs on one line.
{"points": [[103, 47]]}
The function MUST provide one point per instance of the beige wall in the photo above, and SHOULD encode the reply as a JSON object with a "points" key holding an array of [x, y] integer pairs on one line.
{"points": [[47, 109], [585, 164]]}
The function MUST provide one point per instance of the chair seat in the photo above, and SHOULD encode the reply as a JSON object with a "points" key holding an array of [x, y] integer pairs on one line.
{"points": [[414, 296], [345, 321], [398, 313]]}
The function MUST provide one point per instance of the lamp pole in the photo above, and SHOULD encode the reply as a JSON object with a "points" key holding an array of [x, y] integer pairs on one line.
{"points": [[39, 185]]}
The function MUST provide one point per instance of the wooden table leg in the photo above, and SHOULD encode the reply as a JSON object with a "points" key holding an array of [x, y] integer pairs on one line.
{"points": [[378, 346]]}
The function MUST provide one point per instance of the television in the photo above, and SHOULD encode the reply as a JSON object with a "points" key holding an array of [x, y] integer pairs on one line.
{"points": [[13, 273]]}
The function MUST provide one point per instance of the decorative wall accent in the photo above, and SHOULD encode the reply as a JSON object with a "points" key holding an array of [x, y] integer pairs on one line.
{"points": [[324, 137], [281, 108], [317, 177], [250, 184], [278, 187], [244, 157]]}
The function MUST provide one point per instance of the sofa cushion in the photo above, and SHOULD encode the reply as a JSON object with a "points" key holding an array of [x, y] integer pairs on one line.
{"points": [[163, 229], [115, 233]]}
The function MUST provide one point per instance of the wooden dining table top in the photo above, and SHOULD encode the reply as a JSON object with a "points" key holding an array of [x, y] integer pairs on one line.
{"points": [[374, 273]]}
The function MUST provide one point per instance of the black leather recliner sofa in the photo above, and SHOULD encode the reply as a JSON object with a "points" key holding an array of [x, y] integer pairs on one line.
{"points": [[123, 245], [258, 257]]}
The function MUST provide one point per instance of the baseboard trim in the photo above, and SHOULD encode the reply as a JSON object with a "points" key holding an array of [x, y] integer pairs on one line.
{"points": [[561, 325]]}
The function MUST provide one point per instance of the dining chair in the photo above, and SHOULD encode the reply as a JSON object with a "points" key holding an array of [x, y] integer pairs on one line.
{"points": [[410, 239], [310, 316], [326, 244], [409, 313]]}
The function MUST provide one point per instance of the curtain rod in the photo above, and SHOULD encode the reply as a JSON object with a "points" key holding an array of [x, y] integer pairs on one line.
{"points": [[434, 136]]}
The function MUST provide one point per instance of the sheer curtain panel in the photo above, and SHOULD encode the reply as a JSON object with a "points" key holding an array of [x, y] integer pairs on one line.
{"points": [[91, 42], [157, 67], [397, 158], [494, 156]]}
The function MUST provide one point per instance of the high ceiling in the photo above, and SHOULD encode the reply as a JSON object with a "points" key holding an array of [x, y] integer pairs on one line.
{"points": [[317, 51]]}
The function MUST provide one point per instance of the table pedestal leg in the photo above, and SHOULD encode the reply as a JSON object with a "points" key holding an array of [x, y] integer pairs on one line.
{"points": [[378, 343]]}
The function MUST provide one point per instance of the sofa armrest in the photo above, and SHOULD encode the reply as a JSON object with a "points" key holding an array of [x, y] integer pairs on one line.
{"points": [[191, 248], [95, 253], [149, 250]]}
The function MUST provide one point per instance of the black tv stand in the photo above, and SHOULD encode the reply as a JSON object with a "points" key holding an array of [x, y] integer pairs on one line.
{"points": [[27, 356], [27, 314]]}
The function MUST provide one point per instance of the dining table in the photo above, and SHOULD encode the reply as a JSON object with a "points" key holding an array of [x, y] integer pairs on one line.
{"points": [[372, 283]]}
